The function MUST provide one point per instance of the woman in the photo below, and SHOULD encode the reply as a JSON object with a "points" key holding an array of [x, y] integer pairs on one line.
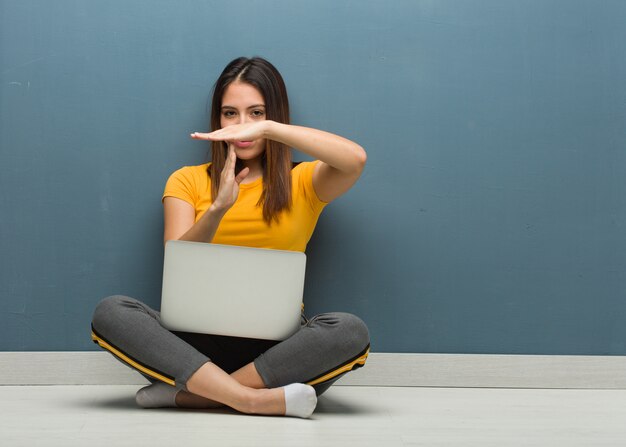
{"points": [[250, 194]]}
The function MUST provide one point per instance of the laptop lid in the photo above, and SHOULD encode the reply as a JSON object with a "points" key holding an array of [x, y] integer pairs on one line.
{"points": [[232, 290]]}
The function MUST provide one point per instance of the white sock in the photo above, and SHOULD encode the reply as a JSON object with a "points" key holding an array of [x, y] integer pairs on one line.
{"points": [[300, 400], [157, 395]]}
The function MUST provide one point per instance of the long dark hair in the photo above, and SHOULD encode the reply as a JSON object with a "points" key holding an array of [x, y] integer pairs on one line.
{"points": [[276, 161]]}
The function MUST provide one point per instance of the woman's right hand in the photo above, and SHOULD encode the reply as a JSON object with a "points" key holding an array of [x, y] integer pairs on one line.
{"points": [[229, 182], [180, 215]]}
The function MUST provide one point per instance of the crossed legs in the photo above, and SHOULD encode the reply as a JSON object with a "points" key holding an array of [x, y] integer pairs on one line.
{"points": [[270, 385]]}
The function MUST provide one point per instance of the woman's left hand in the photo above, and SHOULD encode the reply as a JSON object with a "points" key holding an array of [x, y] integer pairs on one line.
{"points": [[235, 132]]}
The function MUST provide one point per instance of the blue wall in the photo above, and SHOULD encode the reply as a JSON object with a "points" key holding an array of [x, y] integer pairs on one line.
{"points": [[491, 216]]}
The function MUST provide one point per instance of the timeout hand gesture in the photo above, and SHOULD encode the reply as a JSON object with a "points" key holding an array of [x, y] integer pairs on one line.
{"points": [[229, 182]]}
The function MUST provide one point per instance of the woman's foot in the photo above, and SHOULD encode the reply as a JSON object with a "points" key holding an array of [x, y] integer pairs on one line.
{"points": [[162, 395], [157, 395], [296, 400], [300, 400]]}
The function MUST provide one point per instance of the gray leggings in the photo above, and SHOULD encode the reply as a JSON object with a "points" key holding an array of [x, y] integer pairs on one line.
{"points": [[325, 347]]}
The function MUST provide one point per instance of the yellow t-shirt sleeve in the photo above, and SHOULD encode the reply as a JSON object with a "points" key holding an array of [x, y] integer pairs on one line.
{"points": [[182, 185], [305, 180]]}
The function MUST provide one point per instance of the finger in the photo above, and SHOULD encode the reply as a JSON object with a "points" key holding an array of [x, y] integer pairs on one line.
{"points": [[231, 160], [233, 132], [216, 135], [200, 136], [231, 153], [242, 175], [219, 135]]}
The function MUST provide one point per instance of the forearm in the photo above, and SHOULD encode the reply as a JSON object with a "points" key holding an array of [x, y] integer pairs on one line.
{"points": [[338, 152], [205, 228]]}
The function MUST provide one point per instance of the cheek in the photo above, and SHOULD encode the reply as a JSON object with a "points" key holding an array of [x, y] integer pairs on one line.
{"points": [[225, 122]]}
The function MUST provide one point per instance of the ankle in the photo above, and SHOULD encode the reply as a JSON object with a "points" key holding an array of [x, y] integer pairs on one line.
{"points": [[265, 401], [185, 399], [252, 402]]}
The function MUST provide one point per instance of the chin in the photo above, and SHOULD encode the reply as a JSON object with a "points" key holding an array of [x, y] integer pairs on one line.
{"points": [[248, 153]]}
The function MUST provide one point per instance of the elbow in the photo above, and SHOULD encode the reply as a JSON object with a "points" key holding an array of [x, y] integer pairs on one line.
{"points": [[361, 159]]}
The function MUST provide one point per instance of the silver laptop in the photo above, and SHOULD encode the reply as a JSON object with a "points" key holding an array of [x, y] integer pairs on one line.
{"points": [[232, 290]]}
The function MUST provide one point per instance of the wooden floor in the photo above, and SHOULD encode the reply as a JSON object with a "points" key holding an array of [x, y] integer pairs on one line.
{"points": [[345, 416]]}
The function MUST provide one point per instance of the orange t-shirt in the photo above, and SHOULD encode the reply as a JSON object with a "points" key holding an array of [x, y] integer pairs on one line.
{"points": [[243, 224]]}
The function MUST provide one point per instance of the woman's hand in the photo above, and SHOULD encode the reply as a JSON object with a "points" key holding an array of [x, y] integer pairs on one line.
{"points": [[236, 132], [229, 183], [180, 215]]}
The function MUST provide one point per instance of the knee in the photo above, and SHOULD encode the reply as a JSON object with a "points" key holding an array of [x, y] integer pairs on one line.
{"points": [[107, 311], [350, 333], [357, 332]]}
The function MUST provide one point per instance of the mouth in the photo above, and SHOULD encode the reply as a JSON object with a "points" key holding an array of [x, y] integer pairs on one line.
{"points": [[243, 144]]}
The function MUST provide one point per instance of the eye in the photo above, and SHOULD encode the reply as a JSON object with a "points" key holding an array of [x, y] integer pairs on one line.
{"points": [[258, 113], [228, 113]]}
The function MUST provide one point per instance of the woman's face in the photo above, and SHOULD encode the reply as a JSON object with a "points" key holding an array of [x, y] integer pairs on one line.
{"points": [[243, 103]]}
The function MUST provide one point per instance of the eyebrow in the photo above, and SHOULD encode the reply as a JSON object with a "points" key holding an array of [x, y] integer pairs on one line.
{"points": [[235, 108]]}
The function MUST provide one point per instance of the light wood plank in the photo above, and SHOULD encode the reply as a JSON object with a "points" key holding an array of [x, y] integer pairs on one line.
{"points": [[382, 369]]}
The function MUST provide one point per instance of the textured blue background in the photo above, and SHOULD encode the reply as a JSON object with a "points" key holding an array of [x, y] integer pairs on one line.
{"points": [[491, 216]]}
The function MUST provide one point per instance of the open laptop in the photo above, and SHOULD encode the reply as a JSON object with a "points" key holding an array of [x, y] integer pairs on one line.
{"points": [[232, 290]]}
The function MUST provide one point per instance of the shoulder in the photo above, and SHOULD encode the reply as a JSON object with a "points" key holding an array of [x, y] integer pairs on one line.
{"points": [[193, 171], [303, 168], [187, 182], [190, 174], [302, 179]]}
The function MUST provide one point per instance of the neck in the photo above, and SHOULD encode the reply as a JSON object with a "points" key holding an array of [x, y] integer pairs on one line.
{"points": [[256, 169]]}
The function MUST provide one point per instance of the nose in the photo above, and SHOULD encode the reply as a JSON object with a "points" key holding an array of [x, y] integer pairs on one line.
{"points": [[243, 118]]}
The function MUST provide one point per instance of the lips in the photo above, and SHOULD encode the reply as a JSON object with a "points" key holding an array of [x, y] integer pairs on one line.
{"points": [[243, 144]]}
